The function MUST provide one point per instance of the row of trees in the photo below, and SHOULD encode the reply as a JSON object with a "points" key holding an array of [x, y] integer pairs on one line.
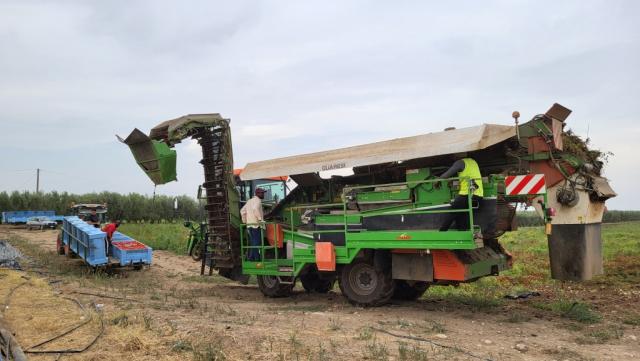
{"points": [[527, 219], [135, 207], [132, 207]]}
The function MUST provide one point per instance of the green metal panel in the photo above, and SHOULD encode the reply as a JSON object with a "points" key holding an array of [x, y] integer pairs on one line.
{"points": [[428, 194], [417, 175], [337, 219], [483, 268], [383, 196], [411, 240], [491, 185]]}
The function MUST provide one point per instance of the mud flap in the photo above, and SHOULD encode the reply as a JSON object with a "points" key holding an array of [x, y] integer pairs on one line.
{"points": [[575, 251]]}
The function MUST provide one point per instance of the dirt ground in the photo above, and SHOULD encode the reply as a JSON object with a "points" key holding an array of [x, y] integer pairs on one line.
{"points": [[170, 312]]}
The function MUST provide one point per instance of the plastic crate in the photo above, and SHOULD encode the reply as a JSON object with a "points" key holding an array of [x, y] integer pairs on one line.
{"points": [[117, 236], [88, 242], [131, 252]]}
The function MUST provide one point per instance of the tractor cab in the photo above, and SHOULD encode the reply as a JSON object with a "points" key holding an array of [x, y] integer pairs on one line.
{"points": [[82, 210], [275, 189]]}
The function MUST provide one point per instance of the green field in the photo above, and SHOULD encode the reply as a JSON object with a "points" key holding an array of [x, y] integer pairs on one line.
{"points": [[579, 303], [164, 236]]}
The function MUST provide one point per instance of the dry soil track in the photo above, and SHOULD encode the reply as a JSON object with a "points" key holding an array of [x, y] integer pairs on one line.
{"points": [[169, 312]]}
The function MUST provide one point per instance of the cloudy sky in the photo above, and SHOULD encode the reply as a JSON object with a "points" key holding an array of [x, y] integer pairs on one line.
{"points": [[296, 77]]}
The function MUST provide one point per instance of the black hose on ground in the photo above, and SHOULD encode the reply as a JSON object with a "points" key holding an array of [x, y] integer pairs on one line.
{"points": [[8, 343], [65, 351], [66, 332], [414, 338]]}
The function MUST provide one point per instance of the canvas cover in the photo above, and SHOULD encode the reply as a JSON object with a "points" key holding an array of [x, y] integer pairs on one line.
{"points": [[399, 149]]}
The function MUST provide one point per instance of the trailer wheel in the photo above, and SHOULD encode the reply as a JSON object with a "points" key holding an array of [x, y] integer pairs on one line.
{"points": [[271, 286], [366, 284], [409, 291], [68, 252], [60, 245], [312, 281]]}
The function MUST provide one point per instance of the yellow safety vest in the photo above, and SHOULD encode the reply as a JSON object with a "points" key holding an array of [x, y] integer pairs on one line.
{"points": [[471, 171]]}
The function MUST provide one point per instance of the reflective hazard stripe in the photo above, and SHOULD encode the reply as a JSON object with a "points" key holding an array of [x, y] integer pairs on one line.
{"points": [[525, 184]]}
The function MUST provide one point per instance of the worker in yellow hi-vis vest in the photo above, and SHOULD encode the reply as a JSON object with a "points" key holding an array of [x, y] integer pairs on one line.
{"points": [[470, 181]]}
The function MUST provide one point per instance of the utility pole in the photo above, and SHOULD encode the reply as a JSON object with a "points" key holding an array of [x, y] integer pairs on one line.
{"points": [[38, 180]]}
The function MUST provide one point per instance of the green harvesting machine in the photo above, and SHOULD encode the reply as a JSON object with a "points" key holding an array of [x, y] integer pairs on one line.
{"points": [[375, 229]]}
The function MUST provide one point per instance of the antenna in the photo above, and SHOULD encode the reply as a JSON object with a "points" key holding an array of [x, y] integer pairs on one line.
{"points": [[515, 115]]}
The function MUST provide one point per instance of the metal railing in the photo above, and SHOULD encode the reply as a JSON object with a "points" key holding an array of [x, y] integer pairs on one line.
{"points": [[263, 248]]}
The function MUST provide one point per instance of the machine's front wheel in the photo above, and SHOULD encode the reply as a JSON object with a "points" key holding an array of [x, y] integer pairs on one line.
{"points": [[366, 284], [272, 286], [409, 291]]}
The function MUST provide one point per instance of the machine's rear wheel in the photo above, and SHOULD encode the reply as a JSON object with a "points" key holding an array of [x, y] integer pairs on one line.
{"points": [[271, 286], [312, 281], [408, 290], [366, 284]]}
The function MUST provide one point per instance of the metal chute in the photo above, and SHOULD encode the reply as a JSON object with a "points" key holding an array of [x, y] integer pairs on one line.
{"points": [[155, 157]]}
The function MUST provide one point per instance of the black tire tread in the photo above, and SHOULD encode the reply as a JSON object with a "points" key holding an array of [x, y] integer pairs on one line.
{"points": [[379, 298], [280, 289]]}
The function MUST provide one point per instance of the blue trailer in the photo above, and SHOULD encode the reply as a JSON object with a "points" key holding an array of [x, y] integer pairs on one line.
{"points": [[80, 238], [20, 217]]}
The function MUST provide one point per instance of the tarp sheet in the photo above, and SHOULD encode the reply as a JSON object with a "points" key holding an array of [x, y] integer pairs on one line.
{"points": [[399, 149]]}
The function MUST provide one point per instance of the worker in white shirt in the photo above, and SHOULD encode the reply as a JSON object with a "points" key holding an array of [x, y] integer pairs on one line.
{"points": [[253, 217]]}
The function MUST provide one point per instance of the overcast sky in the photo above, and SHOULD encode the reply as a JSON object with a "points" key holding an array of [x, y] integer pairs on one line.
{"points": [[302, 76]]}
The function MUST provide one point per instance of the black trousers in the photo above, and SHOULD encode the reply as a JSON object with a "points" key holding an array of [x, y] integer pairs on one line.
{"points": [[461, 218]]}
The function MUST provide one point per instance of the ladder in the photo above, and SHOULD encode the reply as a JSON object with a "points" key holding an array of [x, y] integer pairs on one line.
{"points": [[222, 243]]}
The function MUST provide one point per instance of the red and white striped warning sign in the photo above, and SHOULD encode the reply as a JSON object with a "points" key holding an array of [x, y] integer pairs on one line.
{"points": [[525, 184]]}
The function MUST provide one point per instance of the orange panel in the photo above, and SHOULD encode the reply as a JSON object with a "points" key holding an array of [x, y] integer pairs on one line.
{"points": [[537, 145], [552, 175], [325, 256], [274, 232], [446, 266]]}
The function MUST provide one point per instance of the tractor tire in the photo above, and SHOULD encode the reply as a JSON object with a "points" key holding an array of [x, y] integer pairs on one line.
{"points": [[366, 284], [271, 286], [313, 282], [409, 291], [60, 245]]}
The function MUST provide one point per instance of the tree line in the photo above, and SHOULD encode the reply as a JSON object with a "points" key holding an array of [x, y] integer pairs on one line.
{"points": [[132, 207], [135, 207], [531, 218]]}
